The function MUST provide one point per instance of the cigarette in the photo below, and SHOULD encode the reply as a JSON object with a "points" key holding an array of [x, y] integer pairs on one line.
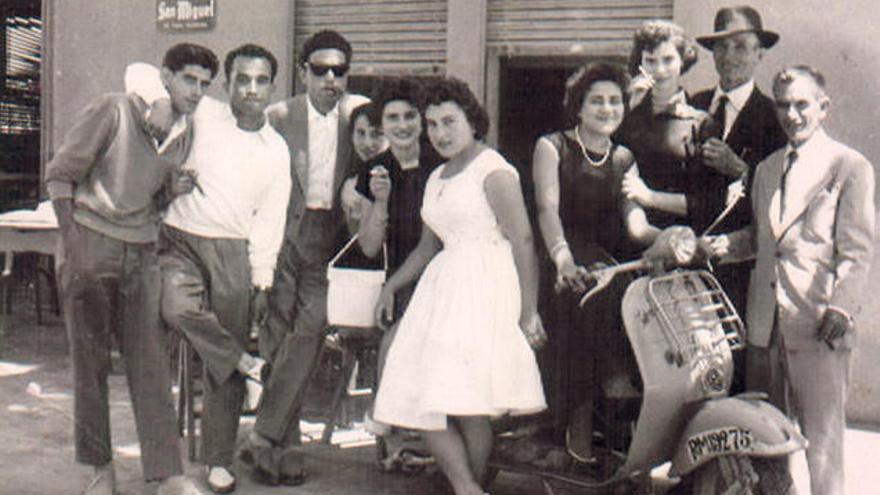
{"points": [[645, 72]]}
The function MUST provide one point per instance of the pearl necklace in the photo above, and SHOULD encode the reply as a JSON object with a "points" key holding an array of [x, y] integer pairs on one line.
{"points": [[586, 152]]}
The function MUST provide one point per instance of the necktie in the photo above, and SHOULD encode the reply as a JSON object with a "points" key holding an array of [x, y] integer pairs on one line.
{"points": [[790, 159], [720, 115]]}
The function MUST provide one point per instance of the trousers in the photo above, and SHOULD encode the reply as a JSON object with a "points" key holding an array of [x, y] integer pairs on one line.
{"points": [[292, 338], [110, 288], [811, 387], [206, 286]]}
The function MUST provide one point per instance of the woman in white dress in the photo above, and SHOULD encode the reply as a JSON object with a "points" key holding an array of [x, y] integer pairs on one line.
{"points": [[462, 351]]}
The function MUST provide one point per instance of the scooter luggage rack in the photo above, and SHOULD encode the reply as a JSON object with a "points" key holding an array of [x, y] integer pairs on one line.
{"points": [[691, 304]]}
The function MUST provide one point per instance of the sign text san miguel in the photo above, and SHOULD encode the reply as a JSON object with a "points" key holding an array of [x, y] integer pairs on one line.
{"points": [[185, 15]]}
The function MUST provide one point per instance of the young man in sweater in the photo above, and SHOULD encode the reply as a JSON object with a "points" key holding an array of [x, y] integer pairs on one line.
{"points": [[107, 182]]}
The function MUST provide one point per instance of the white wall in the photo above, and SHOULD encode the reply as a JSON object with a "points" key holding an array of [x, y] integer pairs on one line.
{"points": [[91, 42], [842, 39]]}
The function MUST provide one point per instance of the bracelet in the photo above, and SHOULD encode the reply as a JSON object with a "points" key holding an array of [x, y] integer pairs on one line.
{"points": [[561, 244], [561, 256]]}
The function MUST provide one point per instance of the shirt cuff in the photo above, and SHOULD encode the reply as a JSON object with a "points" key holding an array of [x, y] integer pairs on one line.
{"points": [[59, 190]]}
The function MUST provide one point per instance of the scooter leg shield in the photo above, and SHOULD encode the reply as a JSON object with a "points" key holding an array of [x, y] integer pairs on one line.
{"points": [[742, 425]]}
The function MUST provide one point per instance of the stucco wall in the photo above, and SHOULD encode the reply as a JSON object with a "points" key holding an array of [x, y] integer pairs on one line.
{"points": [[93, 40], [842, 39]]}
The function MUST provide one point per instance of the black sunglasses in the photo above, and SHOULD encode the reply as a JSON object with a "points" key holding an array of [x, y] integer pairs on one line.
{"points": [[321, 70]]}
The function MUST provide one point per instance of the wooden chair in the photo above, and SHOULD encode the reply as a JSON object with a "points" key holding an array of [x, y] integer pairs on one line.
{"points": [[351, 343], [187, 363]]}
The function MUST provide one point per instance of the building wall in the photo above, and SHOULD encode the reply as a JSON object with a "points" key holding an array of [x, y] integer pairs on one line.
{"points": [[842, 39], [91, 42]]}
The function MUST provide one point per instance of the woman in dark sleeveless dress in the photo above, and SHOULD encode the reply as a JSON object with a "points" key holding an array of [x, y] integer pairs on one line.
{"points": [[584, 219]]}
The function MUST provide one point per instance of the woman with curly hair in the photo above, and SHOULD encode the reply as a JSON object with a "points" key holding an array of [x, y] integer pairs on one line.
{"points": [[662, 130], [462, 350], [584, 219]]}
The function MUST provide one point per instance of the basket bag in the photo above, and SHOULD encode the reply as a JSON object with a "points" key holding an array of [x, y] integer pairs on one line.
{"points": [[352, 293]]}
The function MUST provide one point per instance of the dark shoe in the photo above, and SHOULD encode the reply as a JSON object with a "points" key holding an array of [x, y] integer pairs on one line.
{"points": [[266, 462], [292, 467], [220, 479], [247, 454]]}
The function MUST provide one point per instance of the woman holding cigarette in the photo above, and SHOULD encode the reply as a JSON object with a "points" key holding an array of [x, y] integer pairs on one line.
{"points": [[584, 218], [462, 351], [392, 183], [661, 129]]}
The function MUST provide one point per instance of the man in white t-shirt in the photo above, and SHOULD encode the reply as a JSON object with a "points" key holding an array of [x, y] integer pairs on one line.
{"points": [[219, 245]]}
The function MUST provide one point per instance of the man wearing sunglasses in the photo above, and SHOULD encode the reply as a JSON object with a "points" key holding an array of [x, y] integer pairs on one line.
{"points": [[315, 126]]}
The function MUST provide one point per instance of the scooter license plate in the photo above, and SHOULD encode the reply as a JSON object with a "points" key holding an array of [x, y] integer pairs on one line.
{"points": [[719, 441]]}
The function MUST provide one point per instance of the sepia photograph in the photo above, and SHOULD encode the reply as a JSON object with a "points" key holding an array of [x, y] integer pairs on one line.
{"points": [[439, 247]]}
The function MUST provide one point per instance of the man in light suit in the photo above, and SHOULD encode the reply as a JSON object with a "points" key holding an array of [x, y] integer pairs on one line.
{"points": [[314, 125], [745, 132], [813, 237]]}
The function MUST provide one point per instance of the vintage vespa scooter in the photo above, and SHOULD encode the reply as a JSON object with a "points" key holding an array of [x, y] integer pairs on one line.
{"points": [[682, 329]]}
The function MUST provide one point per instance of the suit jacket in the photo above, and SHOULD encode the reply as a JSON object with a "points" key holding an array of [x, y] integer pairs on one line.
{"points": [[819, 253], [291, 119], [754, 135]]}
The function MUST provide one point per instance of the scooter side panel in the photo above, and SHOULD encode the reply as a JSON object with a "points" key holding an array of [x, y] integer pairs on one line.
{"points": [[663, 413]]}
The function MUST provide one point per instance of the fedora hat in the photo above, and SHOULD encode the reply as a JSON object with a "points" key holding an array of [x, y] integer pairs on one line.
{"points": [[741, 19]]}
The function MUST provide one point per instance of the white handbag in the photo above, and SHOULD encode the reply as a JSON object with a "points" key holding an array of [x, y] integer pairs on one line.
{"points": [[352, 293]]}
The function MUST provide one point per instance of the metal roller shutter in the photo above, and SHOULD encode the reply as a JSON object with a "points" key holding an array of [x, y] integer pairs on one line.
{"points": [[388, 36], [569, 27]]}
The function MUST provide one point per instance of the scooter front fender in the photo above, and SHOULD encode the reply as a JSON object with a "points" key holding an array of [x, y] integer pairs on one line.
{"points": [[744, 424]]}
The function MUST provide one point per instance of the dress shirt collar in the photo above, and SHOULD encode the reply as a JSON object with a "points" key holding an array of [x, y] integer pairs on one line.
{"points": [[737, 97], [314, 114], [814, 144]]}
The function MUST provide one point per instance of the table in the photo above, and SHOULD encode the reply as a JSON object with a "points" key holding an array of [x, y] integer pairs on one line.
{"points": [[28, 231]]}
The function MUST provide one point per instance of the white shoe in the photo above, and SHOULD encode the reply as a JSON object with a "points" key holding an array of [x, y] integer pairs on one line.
{"points": [[103, 481], [220, 480]]}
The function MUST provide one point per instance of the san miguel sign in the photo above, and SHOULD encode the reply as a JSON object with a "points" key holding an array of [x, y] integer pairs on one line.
{"points": [[185, 15]]}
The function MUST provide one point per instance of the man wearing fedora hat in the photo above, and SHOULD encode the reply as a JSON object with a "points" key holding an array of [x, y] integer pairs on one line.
{"points": [[744, 132]]}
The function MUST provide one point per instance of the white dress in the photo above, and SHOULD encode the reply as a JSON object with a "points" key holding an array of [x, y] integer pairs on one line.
{"points": [[459, 349]]}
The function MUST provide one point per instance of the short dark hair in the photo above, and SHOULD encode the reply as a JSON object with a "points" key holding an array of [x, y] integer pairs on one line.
{"points": [[252, 51], [399, 89], [652, 33], [457, 91], [579, 84], [326, 39], [182, 54], [785, 76], [363, 110]]}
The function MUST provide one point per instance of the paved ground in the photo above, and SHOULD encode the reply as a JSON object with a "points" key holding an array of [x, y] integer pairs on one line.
{"points": [[36, 430]]}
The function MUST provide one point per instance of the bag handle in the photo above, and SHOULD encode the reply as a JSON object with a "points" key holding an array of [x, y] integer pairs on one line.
{"points": [[348, 246]]}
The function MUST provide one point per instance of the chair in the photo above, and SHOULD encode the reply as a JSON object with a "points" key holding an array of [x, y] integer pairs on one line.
{"points": [[29, 274], [189, 370], [353, 344], [186, 412]]}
